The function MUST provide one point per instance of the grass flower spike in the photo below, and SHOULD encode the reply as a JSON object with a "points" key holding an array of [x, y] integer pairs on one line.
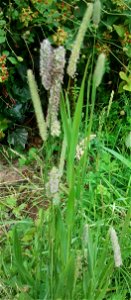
{"points": [[115, 247], [71, 69], [128, 140], [110, 102], [37, 105], [54, 99], [54, 180], [99, 69], [96, 12], [80, 148], [52, 186], [46, 62], [85, 235], [52, 63], [58, 64]]}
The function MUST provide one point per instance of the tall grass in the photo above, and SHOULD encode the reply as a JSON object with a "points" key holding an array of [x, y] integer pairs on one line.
{"points": [[68, 257], [67, 253]]}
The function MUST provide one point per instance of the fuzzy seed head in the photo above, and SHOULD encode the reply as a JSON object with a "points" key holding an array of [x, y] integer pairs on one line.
{"points": [[128, 140], [110, 102], [80, 148], [99, 69], [85, 235], [54, 180], [96, 12], [37, 105], [55, 128], [52, 63], [115, 247], [71, 69], [58, 64], [46, 63]]}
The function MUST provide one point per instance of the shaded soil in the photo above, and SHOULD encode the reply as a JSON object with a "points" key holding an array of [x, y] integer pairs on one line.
{"points": [[26, 186]]}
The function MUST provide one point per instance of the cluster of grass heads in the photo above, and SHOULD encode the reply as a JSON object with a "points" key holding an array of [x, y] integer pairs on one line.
{"points": [[66, 252]]}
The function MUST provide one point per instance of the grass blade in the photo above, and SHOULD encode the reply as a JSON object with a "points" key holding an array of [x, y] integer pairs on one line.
{"points": [[124, 160], [19, 260]]}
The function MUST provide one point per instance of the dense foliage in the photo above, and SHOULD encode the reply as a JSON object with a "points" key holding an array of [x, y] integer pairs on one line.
{"points": [[24, 24]]}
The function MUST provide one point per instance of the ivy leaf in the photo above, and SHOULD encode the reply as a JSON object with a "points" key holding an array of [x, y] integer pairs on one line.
{"points": [[22, 94], [18, 138], [16, 112]]}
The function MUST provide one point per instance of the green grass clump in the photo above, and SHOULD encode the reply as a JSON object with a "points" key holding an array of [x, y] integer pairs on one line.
{"points": [[66, 251]]}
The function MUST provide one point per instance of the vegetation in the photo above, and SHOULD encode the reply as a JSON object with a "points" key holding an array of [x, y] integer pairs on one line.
{"points": [[65, 182]]}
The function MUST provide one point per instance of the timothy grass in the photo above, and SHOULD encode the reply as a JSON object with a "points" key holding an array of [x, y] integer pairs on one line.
{"points": [[65, 252]]}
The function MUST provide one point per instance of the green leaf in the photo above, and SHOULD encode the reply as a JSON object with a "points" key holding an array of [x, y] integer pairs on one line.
{"points": [[120, 30], [3, 123], [19, 259], [16, 112], [24, 296], [76, 125], [2, 23], [49, 2], [126, 78], [13, 60], [2, 39], [124, 160], [32, 153], [19, 58], [2, 32], [22, 161], [127, 87], [5, 52], [120, 88], [11, 201], [123, 76], [128, 52], [65, 120]]}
